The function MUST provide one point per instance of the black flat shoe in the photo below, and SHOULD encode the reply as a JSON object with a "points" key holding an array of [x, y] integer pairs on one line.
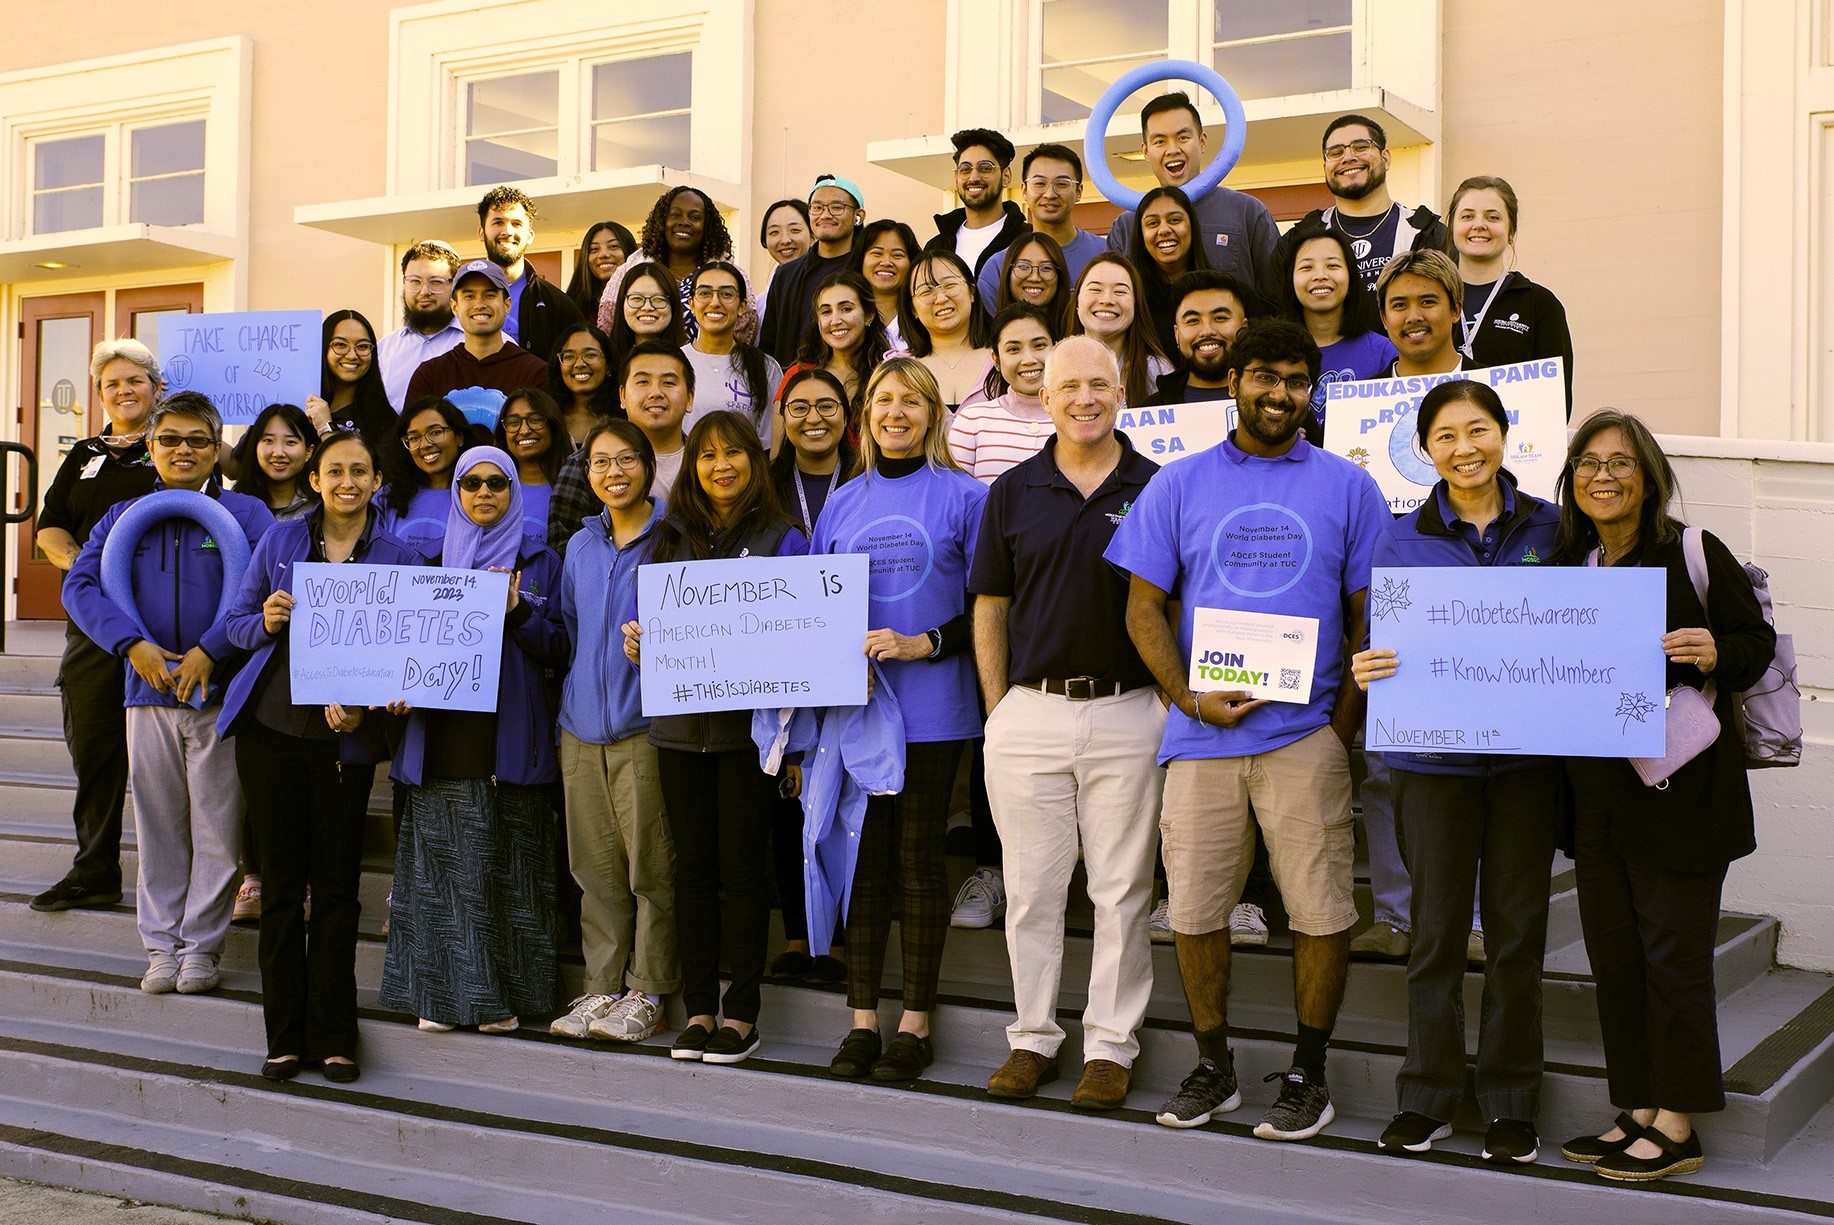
{"points": [[692, 1043], [1682, 1158], [828, 969], [791, 963], [340, 1073], [281, 1069], [906, 1056], [859, 1051], [1588, 1149]]}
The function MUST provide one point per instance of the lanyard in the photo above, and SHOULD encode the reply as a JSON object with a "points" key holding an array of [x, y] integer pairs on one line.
{"points": [[1471, 326], [808, 520]]}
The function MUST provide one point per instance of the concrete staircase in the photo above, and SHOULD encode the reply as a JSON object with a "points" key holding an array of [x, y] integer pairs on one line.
{"points": [[157, 1098]]}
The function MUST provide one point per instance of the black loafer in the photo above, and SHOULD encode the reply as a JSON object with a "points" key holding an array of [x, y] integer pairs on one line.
{"points": [[692, 1043], [905, 1057], [281, 1069], [859, 1051], [1588, 1149], [340, 1073], [1682, 1158], [828, 969], [792, 964]]}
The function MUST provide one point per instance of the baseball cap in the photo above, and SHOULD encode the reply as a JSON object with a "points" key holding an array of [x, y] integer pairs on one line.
{"points": [[845, 184], [483, 268]]}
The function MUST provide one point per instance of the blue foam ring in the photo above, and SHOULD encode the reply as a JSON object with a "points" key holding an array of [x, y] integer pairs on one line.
{"points": [[1095, 136], [1405, 455], [142, 517]]}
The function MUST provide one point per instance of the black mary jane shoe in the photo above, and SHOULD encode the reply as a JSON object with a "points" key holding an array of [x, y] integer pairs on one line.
{"points": [[281, 1069], [1675, 1158], [340, 1073], [1589, 1149], [859, 1052], [905, 1058]]}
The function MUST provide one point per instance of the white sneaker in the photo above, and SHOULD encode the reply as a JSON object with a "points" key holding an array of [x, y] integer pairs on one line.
{"points": [[199, 974], [631, 1019], [161, 973], [982, 899], [1159, 926], [1247, 925], [582, 1012]]}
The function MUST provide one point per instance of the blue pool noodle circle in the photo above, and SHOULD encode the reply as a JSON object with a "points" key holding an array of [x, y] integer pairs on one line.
{"points": [[148, 513], [1095, 136]]}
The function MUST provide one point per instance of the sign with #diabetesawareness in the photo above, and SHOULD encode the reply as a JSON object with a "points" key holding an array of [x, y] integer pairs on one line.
{"points": [[243, 360], [371, 635], [1371, 422], [1519, 659], [751, 633]]}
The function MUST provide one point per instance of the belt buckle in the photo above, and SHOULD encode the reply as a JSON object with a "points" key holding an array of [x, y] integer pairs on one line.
{"points": [[1079, 688]]}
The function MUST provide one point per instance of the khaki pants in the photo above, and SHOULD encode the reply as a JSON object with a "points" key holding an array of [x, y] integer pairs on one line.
{"points": [[619, 848]]}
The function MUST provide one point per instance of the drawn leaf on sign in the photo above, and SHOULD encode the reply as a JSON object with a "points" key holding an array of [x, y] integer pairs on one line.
{"points": [[1636, 706], [1388, 599]]}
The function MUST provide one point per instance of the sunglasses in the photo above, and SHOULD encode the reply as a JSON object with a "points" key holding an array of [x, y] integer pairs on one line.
{"points": [[471, 484]]}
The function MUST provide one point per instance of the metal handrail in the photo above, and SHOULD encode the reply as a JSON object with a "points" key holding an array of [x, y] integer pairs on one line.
{"points": [[12, 518]]}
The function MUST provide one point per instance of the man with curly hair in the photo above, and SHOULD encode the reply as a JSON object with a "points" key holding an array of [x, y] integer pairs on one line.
{"points": [[540, 310]]}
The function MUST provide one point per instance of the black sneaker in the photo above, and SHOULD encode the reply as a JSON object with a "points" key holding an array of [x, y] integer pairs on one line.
{"points": [[1302, 1110], [692, 1044], [1509, 1140], [1412, 1132], [727, 1047], [1206, 1091], [70, 895]]}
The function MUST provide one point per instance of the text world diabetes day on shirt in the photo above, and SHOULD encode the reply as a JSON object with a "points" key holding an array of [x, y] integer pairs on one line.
{"points": [[753, 633], [370, 635], [1371, 422], [243, 360], [1519, 659]]}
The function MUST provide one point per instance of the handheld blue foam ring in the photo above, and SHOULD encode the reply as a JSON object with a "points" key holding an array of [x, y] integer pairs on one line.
{"points": [[1095, 136], [145, 515]]}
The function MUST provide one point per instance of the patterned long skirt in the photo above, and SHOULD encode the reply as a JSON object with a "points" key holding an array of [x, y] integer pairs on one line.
{"points": [[471, 928]]}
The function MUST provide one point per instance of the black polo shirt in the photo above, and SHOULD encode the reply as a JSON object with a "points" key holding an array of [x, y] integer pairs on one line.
{"points": [[93, 477], [1041, 544]]}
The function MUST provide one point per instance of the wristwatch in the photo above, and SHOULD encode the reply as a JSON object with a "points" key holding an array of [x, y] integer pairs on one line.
{"points": [[935, 637]]}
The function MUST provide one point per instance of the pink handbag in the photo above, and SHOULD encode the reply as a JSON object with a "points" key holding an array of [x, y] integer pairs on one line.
{"points": [[1691, 727]]}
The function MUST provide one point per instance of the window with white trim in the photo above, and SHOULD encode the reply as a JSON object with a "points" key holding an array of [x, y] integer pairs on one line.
{"points": [[150, 174], [577, 115], [1270, 50]]}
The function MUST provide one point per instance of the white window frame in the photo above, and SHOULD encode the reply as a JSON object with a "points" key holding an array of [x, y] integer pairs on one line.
{"points": [[117, 162]]}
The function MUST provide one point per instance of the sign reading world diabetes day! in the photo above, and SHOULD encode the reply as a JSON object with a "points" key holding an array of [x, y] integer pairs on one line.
{"points": [[753, 632], [1262, 654], [1371, 422], [1520, 659], [1167, 432], [371, 635], [244, 361]]}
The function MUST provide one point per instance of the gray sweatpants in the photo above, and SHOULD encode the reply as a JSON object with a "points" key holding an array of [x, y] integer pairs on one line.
{"points": [[187, 823]]}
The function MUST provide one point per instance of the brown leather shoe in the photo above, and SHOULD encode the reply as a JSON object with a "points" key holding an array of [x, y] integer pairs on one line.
{"points": [[1021, 1074], [1103, 1087]]}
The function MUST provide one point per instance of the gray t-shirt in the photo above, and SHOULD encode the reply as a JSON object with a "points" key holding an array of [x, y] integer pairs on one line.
{"points": [[719, 385]]}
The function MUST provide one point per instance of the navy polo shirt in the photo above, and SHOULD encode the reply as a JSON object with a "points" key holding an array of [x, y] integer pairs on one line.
{"points": [[1485, 545], [1041, 545]]}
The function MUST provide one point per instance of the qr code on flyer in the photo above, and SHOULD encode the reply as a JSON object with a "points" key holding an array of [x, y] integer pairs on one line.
{"points": [[1289, 678]]}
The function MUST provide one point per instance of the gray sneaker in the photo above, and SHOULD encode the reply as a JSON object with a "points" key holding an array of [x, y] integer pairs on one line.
{"points": [[199, 974], [581, 1013], [1205, 1092], [1302, 1110], [161, 973], [631, 1019]]}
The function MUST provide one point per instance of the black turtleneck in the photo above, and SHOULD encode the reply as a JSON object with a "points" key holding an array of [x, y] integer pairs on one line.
{"points": [[895, 468]]}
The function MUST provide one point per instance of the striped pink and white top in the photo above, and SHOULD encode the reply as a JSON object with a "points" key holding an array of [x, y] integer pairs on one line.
{"points": [[991, 436]]}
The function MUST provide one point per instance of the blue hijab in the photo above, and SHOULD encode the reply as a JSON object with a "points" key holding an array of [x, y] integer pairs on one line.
{"points": [[470, 547]]}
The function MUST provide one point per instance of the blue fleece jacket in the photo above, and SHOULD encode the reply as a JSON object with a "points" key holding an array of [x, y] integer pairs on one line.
{"points": [[177, 579], [601, 700]]}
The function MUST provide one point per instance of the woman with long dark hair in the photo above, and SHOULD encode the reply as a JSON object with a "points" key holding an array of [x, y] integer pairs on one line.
{"points": [[1320, 290], [729, 375], [603, 248], [531, 431], [283, 442], [883, 255], [582, 381], [648, 305], [351, 395], [844, 335], [1110, 306], [1167, 243], [417, 463], [1012, 425], [1036, 274], [945, 326], [718, 800]]}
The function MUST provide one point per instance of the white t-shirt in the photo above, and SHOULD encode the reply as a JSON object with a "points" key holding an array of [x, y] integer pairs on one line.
{"points": [[719, 385], [970, 243]]}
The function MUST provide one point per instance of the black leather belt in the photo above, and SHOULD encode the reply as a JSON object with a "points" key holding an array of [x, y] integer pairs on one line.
{"points": [[1078, 688]]}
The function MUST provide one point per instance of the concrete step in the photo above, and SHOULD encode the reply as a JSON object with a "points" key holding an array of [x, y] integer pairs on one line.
{"points": [[31, 708], [29, 671], [525, 1127]]}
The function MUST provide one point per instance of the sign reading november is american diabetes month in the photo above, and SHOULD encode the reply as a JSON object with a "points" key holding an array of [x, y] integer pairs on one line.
{"points": [[370, 635], [753, 632], [1372, 422], [1264, 655]]}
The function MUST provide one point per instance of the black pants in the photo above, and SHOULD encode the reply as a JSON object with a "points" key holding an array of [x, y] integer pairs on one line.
{"points": [[987, 850], [309, 812], [719, 808], [1650, 934], [901, 865], [1449, 826], [95, 726]]}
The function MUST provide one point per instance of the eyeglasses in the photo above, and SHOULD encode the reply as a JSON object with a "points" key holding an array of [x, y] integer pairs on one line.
{"points": [[437, 284], [657, 300], [707, 293], [194, 442], [343, 348], [1618, 467], [1038, 186], [1267, 380], [432, 435], [1358, 147], [983, 167], [520, 422], [835, 207], [948, 284], [799, 410], [471, 484], [591, 357], [1046, 269], [623, 461]]}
